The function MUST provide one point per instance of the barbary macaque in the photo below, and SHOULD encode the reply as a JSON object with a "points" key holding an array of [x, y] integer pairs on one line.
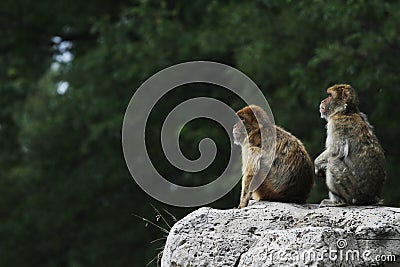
{"points": [[353, 162], [290, 177]]}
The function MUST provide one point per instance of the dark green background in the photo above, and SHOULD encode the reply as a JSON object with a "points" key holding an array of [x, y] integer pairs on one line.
{"points": [[67, 198]]}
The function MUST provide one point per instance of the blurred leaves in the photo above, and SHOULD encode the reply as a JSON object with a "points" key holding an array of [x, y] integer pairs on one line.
{"points": [[66, 194]]}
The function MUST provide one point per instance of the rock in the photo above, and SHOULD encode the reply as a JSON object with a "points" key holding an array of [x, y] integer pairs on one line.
{"points": [[282, 234]]}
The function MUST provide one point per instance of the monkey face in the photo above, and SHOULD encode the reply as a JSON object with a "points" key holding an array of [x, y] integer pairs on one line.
{"points": [[239, 133], [325, 106], [242, 127]]}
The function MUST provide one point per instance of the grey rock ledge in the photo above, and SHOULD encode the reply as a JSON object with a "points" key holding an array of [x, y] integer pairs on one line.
{"points": [[282, 234]]}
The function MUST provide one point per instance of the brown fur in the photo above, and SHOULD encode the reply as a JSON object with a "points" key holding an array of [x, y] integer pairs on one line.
{"points": [[353, 162], [290, 177]]}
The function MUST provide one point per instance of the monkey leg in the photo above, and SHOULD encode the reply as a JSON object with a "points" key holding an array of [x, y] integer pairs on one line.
{"points": [[340, 182]]}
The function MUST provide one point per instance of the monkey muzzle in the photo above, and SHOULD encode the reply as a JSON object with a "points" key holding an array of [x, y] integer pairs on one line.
{"points": [[322, 110]]}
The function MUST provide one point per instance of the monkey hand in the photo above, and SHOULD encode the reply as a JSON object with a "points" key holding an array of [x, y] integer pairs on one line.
{"points": [[321, 163], [320, 171], [242, 205]]}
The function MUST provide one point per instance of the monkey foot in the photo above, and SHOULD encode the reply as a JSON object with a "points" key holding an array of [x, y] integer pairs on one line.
{"points": [[330, 203]]}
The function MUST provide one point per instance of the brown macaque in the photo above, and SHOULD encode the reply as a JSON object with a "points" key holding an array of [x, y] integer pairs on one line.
{"points": [[290, 177], [353, 162]]}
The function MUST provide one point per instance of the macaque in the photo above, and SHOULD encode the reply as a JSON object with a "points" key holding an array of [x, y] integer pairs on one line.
{"points": [[353, 162], [290, 177]]}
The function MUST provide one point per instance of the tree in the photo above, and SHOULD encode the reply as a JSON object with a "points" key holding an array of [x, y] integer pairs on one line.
{"points": [[67, 196]]}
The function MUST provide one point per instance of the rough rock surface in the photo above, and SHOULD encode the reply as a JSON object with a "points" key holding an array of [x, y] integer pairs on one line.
{"points": [[281, 234]]}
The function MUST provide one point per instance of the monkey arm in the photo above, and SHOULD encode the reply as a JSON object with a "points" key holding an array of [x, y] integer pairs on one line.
{"points": [[251, 170], [245, 194]]}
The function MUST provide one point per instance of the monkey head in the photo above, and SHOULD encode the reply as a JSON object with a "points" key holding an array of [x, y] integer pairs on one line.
{"points": [[342, 98], [248, 125]]}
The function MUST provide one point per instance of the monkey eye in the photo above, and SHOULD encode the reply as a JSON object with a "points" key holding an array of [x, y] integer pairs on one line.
{"points": [[329, 95], [242, 118]]}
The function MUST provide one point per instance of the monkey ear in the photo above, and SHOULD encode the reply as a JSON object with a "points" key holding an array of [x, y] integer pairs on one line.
{"points": [[262, 117], [346, 95], [257, 113]]}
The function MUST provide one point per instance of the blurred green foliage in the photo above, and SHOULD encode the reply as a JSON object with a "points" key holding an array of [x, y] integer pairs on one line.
{"points": [[66, 196]]}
